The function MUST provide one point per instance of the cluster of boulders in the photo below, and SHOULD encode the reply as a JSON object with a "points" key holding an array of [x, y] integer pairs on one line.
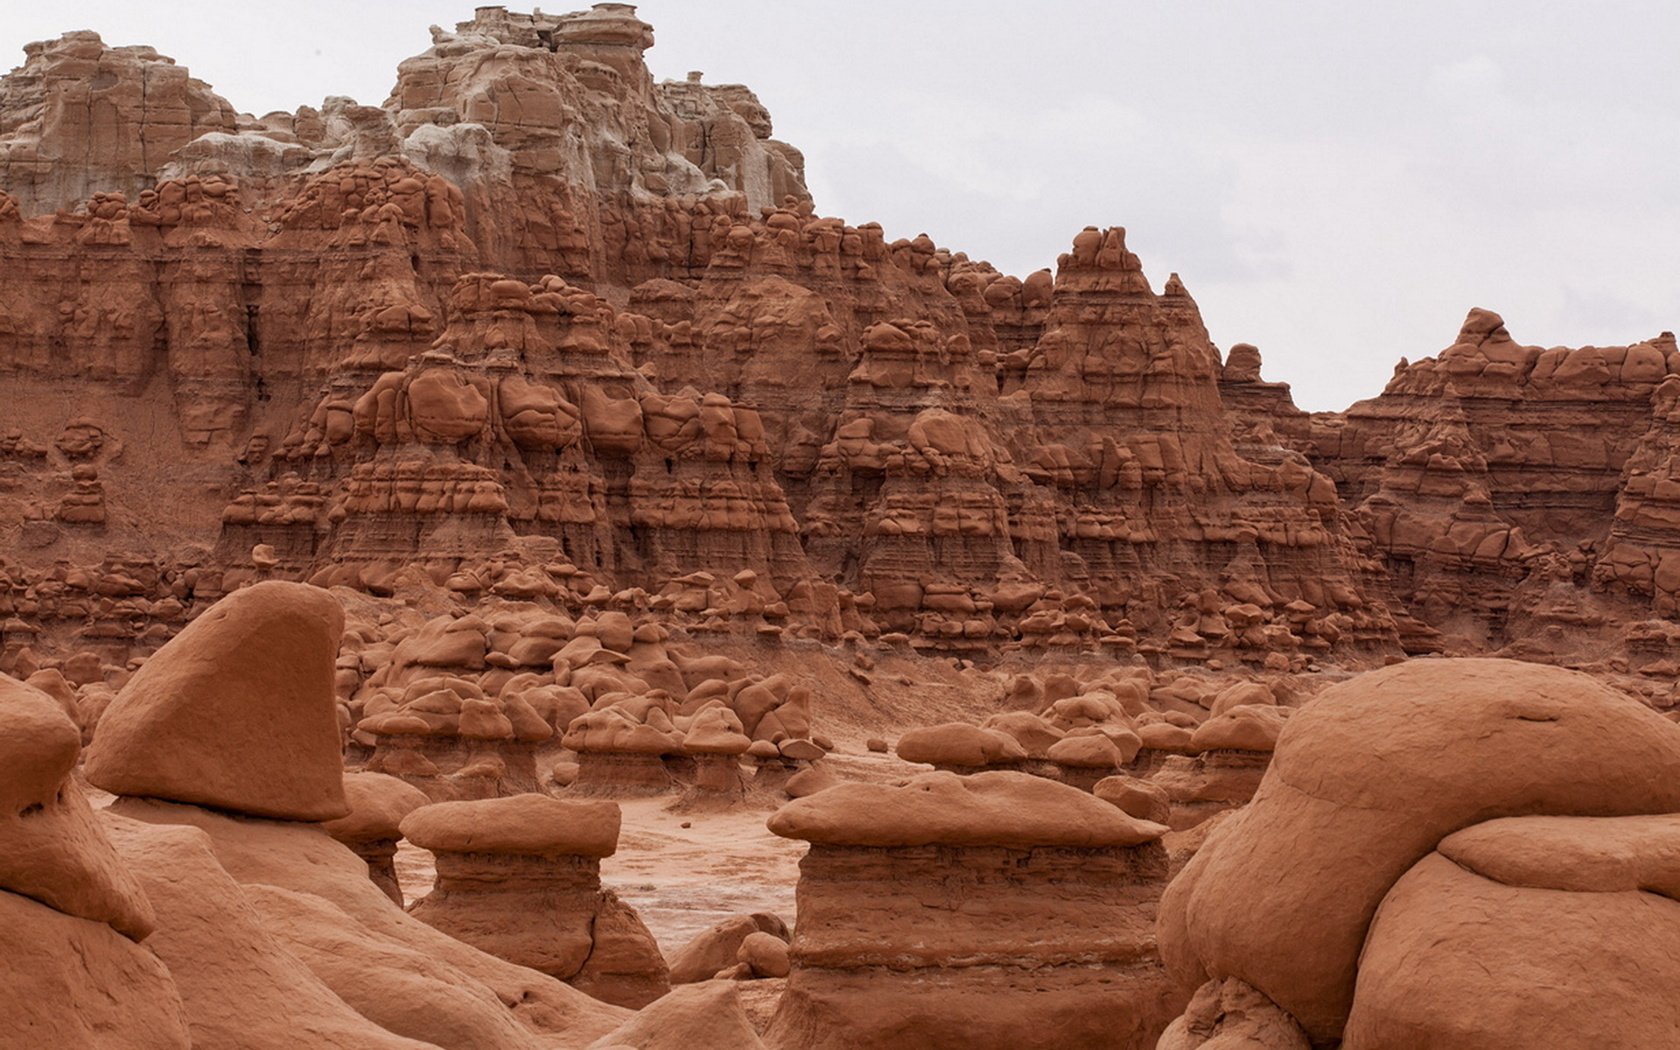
{"points": [[1199, 746], [517, 700]]}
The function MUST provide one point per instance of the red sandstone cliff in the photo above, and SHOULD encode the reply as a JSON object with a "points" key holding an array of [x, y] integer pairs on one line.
{"points": [[539, 325]]}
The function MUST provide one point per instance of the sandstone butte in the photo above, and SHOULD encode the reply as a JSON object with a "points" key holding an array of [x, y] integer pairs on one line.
{"points": [[499, 568]]}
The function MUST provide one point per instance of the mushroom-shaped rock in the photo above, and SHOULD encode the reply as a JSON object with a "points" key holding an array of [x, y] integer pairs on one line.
{"points": [[959, 746], [521, 825], [378, 804], [1383, 767], [1087, 756], [715, 731], [236, 712], [1232, 752], [1047, 945], [622, 747], [715, 743], [520, 878], [997, 808], [1160, 741]]}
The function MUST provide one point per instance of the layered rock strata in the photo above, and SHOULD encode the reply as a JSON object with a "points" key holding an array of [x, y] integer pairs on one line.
{"points": [[994, 910], [520, 878]]}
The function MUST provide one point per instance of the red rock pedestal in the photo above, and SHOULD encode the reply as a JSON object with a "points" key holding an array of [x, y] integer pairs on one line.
{"points": [[1000, 910], [718, 774], [452, 768], [520, 878], [621, 774]]}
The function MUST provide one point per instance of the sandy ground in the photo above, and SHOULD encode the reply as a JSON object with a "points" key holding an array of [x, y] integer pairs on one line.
{"points": [[684, 871]]}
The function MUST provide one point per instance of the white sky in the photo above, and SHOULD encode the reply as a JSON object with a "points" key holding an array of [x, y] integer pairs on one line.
{"points": [[1336, 182]]}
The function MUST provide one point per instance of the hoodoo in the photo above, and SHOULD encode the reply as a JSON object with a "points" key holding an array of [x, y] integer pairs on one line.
{"points": [[500, 567]]}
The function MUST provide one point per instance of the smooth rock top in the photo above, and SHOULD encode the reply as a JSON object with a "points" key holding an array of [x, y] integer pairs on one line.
{"points": [[1248, 727], [378, 804], [236, 712], [1382, 768], [522, 825], [959, 744], [1583, 854], [997, 808]]}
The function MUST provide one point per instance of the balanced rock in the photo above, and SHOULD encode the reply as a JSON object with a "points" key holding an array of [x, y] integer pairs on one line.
{"points": [[1233, 750], [236, 712]]}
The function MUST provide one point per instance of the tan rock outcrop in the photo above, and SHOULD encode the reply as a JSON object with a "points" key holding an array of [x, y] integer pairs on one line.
{"points": [[80, 117]]}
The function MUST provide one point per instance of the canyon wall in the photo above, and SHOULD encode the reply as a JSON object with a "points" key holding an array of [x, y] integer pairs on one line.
{"points": [[540, 327]]}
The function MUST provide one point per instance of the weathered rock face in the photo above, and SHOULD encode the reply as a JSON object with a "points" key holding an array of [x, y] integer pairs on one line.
{"points": [[927, 910], [1488, 479], [889, 436], [1474, 910], [1269, 906], [80, 118], [537, 326], [570, 96]]}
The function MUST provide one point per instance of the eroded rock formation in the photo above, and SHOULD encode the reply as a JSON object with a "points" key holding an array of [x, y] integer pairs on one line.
{"points": [[520, 878], [1270, 920], [927, 909]]}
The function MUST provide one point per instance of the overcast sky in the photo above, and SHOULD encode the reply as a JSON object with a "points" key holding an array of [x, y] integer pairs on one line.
{"points": [[1336, 182]]}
